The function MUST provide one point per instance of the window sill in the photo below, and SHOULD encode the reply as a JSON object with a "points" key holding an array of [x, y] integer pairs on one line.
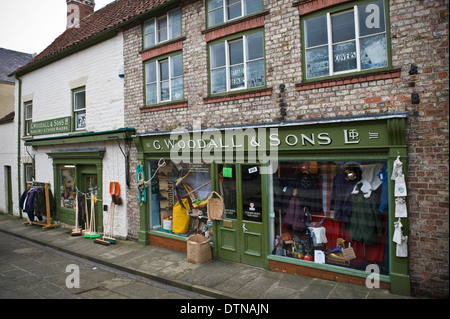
{"points": [[352, 79], [238, 96], [165, 106]]}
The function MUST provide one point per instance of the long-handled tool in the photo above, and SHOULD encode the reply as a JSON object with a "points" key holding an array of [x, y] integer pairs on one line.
{"points": [[107, 240], [92, 233], [77, 230]]}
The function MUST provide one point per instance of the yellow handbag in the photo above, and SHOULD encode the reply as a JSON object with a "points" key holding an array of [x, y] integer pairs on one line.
{"points": [[180, 219]]}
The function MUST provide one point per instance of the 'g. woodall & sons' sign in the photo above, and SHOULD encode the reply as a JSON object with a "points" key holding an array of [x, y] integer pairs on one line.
{"points": [[53, 126]]}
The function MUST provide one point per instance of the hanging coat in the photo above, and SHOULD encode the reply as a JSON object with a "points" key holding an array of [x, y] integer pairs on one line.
{"points": [[365, 221]]}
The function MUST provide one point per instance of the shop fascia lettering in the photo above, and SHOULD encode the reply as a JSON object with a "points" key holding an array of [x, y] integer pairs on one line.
{"points": [[253, 139]]}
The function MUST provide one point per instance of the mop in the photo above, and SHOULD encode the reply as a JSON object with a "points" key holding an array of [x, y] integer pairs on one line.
{"points": [[77, 230]]}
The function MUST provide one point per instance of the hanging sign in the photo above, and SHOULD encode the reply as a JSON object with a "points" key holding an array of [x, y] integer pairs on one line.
{"points": [[53, 126]]}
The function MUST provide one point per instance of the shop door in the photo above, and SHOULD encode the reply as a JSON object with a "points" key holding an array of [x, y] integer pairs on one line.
{"points": [[89, 185], [241, 237]]}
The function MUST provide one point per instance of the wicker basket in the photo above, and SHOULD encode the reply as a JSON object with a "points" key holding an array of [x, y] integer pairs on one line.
{"points": [[198, 249], [215, 207]]}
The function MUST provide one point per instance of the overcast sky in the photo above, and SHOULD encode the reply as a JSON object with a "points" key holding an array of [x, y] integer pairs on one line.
{"points": [[32, 25]]}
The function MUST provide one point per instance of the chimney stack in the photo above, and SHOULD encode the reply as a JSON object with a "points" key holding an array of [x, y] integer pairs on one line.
{"points": [[77, 10]]}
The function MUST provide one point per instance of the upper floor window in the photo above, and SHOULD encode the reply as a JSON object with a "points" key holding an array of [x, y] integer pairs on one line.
{"points": [[220, 11], [237, 64], [164, 80], [79, 108], [348, 41], [28, 117], [163, 28]]}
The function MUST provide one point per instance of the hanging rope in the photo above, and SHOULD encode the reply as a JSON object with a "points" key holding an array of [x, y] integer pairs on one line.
{"points": [[142, 182]]}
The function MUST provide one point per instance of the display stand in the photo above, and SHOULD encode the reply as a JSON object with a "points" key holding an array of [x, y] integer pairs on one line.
{"points": [[48, 223]]}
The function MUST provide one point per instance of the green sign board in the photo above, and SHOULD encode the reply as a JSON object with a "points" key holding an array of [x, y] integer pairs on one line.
{"points": [[53, 126]]}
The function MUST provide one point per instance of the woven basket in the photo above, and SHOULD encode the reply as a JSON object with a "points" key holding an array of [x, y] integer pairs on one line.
{"points": [[215, 207]]}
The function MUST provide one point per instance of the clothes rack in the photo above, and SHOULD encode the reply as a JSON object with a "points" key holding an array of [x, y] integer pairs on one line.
{"points": [[48, 224]]}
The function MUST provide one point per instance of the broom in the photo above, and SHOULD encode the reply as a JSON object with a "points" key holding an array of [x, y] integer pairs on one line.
{"points": [[92, 234], [76, 231]]}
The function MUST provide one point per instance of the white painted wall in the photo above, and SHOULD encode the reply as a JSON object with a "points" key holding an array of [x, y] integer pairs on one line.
{"points": [[50, 89]]}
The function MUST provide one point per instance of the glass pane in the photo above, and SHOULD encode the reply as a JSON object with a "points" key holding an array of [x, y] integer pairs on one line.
{"points": [[237, 78], [176, 68], [215, 17], [236, 52], [344, 56], [80, 119], [218, 55], [214, 4], [151, 94], [227, 182], [255, 73], [175, 31], [67, 187], [218, 80], [165, 91], [91, 185], [162, 29], [177, 89], [149, 40], [149, 33], [317, 63], [175, 16], [255, 45], [251, 193], [343, 212], [150, 72], [316, 31], [163, 70], [343, 26], [80, 98], [371, 18], [234, 9], [373, 52], [252, 6], [29, 111]]}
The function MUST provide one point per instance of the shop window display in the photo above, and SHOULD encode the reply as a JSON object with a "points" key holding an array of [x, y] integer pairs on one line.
{"points": [[332, 212], [180, 189], [68, 187]]}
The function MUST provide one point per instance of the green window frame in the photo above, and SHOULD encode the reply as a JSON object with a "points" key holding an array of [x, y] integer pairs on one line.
{"points": [[164, 79], [28, 117], [221, 11], [163, 28], [237, 63], [347, 39], [79, 108]]}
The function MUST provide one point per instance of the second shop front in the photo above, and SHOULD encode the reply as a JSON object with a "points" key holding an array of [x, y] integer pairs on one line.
{"points": [[310, 197]]}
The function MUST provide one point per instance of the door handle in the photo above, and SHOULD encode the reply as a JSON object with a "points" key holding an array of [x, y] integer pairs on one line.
{"points": [[244, 228]]}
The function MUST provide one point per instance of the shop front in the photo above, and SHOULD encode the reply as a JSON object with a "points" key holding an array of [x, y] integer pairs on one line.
{"points": [[315, 198]]}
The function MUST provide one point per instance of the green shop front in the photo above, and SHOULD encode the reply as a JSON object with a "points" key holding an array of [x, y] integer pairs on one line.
{"points": [[312, 198]]}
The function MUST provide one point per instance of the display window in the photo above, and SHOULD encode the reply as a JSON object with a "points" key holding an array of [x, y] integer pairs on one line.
{"points": [[67, 185], [179, 195], [332, 212]]}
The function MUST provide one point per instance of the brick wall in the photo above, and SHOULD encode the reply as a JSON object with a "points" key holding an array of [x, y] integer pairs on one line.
{"points": [[419, 31]]}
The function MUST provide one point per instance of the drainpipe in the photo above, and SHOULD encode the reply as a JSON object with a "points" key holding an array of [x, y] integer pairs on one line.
{"points": [[19, 117]]}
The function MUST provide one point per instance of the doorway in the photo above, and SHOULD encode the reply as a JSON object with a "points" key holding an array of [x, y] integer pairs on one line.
{"points": [[241, 237], [89, 185]]}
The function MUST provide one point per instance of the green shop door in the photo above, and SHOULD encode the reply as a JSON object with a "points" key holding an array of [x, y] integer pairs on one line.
{"points": [[241, 236], [88, 185]]}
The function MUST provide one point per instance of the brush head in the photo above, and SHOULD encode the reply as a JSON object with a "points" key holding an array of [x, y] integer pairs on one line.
{"points": [[117, 199]]}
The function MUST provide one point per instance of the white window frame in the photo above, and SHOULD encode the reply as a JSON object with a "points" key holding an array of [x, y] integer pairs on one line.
{"points": [[357, 41], [75, 110], [224, 8], [228, 65], [156, 28], [28, 117], [159, 81]]}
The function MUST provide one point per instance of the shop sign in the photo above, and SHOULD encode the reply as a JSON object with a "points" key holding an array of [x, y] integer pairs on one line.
{"points": [[53, 126], [307, 137]]}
